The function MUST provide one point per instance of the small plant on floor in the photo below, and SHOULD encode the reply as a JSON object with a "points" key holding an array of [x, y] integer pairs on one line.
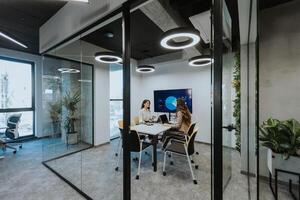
{"points": [[282, 137], [70, 103]]}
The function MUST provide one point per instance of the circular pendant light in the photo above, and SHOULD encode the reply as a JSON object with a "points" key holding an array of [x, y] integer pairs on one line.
{"points": [[68, 70], [145, 69], [200, 61], [108, 57], [191, 37]]}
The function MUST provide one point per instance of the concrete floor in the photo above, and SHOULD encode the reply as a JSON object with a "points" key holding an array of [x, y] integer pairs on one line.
{"points": [[22, 176]]}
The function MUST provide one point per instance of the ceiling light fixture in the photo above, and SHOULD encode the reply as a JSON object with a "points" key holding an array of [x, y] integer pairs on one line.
{"points": [[145, 69], [107, 57], [84, 1], [85, 80], [12, 40], [200, 61], [170, 39], [68, 70]]}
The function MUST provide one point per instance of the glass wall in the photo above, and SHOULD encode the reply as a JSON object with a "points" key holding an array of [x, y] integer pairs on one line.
{"points": [[68, 105], [116, 98], [73, 75]]}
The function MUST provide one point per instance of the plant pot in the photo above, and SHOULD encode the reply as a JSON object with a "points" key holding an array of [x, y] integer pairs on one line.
{"points": [[72, 138], [276, 161]]}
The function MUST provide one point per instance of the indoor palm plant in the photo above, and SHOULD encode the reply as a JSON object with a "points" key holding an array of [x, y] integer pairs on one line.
{"points": [[54, 109], [70, 102]]}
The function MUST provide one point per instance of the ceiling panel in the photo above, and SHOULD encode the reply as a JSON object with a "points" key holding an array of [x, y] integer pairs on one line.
{"points": [[22, 19]]}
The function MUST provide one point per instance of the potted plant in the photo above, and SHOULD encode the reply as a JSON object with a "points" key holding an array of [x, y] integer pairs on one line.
{"points": [[282, 138], [70, 103], [55, 115]]}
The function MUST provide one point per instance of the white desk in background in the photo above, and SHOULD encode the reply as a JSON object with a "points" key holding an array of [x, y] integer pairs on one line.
{"points": [[154, 130]]}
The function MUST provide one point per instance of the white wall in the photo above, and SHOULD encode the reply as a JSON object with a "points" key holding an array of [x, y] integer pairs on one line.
{"points": [[178, 76], [38, 82], [279, 64]]}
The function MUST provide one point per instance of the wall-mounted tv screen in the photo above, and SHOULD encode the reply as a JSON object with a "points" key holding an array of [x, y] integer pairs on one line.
{"points": [[165, 100]]}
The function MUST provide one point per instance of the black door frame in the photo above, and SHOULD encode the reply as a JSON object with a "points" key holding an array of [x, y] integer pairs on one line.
{"points": [[217, 162]]}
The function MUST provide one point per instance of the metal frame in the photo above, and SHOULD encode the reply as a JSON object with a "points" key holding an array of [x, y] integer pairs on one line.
{"points": [[217, 173], [32, 108]]}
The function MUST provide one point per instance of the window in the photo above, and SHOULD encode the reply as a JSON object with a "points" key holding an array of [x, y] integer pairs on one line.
{"points": [[16, 93], [116, 98]]}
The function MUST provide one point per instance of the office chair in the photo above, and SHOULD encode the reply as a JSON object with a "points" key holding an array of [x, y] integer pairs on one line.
{"points": [[11, 133], [183, 148], [178, 134], [136, 145], [120, 124], [136, 120]]}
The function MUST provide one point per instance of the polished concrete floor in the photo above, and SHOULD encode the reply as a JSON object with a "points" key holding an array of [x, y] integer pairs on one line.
{"points": [[22, 176]]}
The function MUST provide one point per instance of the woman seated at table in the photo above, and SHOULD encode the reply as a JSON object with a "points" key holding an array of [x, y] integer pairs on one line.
{"points": [[145, 113], [183, 122]]}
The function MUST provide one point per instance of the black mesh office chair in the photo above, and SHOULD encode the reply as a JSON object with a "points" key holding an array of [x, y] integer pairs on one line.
{"points": [[9, 136], [136, 145], [184, 148]]}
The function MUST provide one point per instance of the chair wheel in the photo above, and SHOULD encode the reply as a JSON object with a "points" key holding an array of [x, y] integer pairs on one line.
{"points": [[171, 163], [15, 152], [192, 161], [137, 177], [116, 154], [197, 153], [117, 168], [196, 166], [20, 147], [164, 173], [195, 182]]}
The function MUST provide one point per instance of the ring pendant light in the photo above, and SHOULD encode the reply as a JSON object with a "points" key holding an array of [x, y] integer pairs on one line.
{"points": [[107, 57], [200, 61], [168, 41], [145, 69]]}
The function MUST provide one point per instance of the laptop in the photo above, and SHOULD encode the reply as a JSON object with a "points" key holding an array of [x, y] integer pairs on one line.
{"points": [[163, 119]]}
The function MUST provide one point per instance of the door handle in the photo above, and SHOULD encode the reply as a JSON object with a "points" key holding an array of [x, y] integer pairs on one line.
{"points": [[230, 127]]}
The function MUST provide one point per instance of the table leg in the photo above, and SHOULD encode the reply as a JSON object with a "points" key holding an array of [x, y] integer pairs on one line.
{"points": [[155, 141]]}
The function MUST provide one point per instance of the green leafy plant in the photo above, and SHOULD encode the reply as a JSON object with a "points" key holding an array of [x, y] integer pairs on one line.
{"points": [[70, 103], [281, 137], [55, 110], [236, 84]]}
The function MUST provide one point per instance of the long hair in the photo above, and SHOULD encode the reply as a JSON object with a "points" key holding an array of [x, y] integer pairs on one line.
{"points": [[145, 101], [186, 114]]}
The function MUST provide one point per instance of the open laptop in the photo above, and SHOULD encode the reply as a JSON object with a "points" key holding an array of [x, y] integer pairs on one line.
{"points": [[163, 119]]}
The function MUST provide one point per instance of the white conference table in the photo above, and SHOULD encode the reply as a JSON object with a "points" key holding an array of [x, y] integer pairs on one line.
{"points": [[154, 130]]}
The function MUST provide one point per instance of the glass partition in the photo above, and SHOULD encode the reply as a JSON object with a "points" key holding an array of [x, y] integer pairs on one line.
{"points": [[78, 121]]}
